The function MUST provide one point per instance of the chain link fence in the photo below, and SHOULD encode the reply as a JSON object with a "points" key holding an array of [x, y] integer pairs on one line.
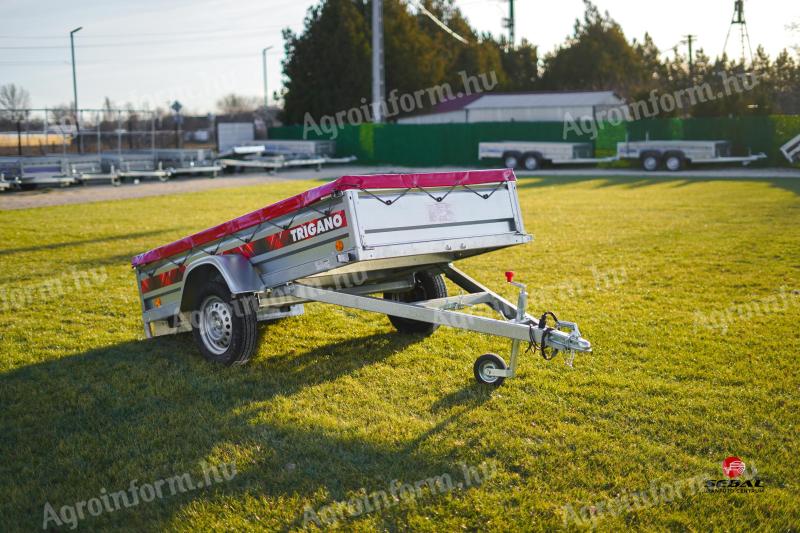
{"points": [[38, 132]]}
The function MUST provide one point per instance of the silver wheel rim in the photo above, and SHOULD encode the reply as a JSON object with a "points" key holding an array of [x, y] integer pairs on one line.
{"points": [[650, 163], [484, 376], [511, 162], [673, 163], [216, 324], [531, 163]]}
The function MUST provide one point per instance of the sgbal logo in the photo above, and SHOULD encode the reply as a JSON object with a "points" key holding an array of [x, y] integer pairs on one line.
{"points": [[318, 226], [734, 468]]}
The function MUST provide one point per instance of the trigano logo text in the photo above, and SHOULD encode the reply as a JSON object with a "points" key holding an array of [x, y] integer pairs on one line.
{"points": [[318, 226], [739, 479]]}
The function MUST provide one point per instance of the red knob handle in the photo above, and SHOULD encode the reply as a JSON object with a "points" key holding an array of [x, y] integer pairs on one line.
{"points": [[510, 276]]}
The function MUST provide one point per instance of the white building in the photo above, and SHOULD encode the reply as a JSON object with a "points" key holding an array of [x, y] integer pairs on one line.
{"points": [[520, 107]]}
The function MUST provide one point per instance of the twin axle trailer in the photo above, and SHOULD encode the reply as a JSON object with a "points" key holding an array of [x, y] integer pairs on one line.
{"points": [[651, 155], [380, 243], [273, 155]]}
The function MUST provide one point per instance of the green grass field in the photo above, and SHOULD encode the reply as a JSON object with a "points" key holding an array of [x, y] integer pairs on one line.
{"points": [[336, 404]]}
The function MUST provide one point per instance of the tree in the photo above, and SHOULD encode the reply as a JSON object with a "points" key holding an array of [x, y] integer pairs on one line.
{"points": [[327, 67], [108, 110], [235, 104], [13, 97], [596, 57], [521, 66]]}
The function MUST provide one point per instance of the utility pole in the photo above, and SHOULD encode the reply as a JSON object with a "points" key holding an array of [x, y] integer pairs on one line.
{"points": [[266, 93], [75, 86], [511, 35], [377, 61], [689, 40], [509, 23]]}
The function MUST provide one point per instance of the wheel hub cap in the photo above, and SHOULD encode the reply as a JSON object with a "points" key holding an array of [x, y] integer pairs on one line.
{"points": [[216, 325], [484, 372]]}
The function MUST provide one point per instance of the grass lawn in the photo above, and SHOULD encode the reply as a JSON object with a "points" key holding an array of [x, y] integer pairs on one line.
{"points": [[337, 405]]}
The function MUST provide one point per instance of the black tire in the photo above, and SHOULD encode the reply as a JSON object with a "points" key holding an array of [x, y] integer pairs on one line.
{"points": [[428, 286], [233, 339], [531, 161], [650, 162], [484, 362], [511, 159]]}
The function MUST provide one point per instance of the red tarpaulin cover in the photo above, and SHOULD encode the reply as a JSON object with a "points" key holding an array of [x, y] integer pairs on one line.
{"points": [[304, 199]]}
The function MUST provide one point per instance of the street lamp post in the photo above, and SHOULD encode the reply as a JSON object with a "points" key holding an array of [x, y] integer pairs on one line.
{"points": [[266, 94], [75, 86]]}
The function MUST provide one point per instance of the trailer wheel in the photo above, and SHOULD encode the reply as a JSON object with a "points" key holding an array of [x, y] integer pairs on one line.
{"points": [[511, 159], [428, 287], [651, 162], [224, 326], [674, 162], [532, 162], [486, 362]]}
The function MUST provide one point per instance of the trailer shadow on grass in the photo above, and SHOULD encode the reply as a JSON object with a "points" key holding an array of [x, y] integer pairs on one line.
{"points": [[151, 410], [83, 242], [632, 182]]}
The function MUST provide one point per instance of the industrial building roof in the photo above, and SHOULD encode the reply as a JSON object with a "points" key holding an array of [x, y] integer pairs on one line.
{"points": [[541, 99], [529, 99]]}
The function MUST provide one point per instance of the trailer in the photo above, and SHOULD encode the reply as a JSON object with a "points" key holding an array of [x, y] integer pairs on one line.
{"points": [[791, 150], [87, 169], [188, 162], [300, 148], [135, 165], [6, 184], [379, 243], [240, 158], [677, 155], [534, 155], [32, 172]]}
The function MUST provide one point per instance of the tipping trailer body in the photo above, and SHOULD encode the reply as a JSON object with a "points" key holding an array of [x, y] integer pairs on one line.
{"points": [[533, 155], [340, 242]]}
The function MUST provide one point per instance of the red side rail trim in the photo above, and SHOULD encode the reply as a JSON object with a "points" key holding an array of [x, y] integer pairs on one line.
{"points": [[304, 199]]}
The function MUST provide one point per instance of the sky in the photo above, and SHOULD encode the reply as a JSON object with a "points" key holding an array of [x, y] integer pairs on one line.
{"points": [[194, 51]]}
